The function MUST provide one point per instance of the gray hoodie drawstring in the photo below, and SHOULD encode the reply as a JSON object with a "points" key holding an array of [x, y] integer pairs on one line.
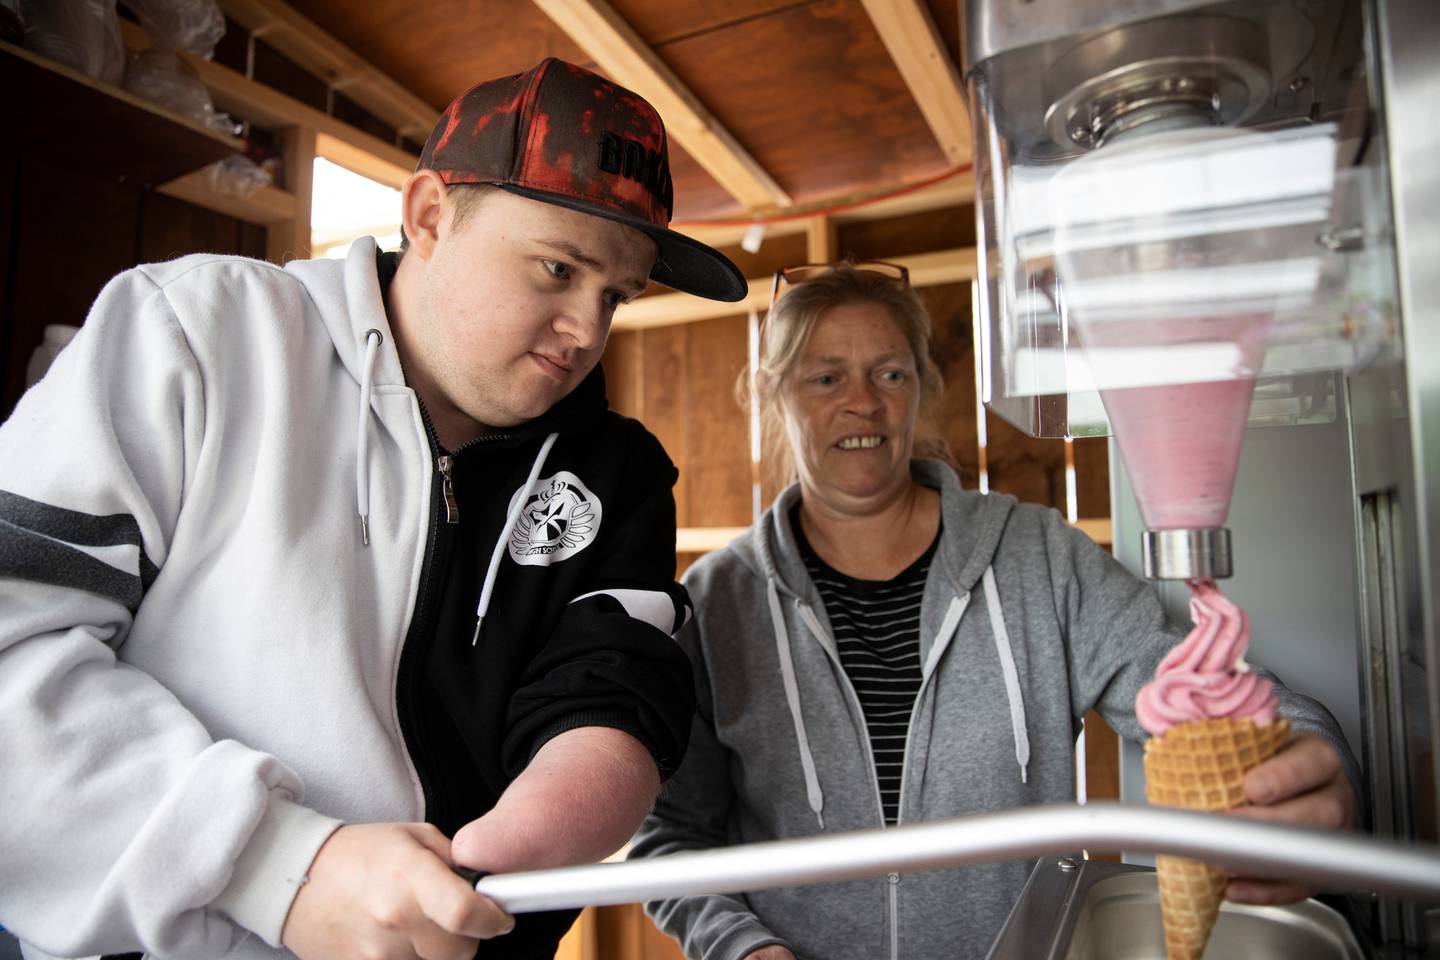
{"points": [[505, 533], [373, 339], [792, 698], [1012, 678]]}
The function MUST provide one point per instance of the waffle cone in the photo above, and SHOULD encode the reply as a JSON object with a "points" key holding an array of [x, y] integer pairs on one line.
{"points": [[1200, 766]]}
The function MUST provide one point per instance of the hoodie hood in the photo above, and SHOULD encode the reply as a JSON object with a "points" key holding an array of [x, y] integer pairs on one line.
{"points": [[351, 302], [348, 298], [973, 521]]}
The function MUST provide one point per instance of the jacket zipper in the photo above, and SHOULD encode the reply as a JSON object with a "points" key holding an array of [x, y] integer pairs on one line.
{"points": [[447, 488], [857, 710], [893, 879], [893, 882], [422, 622], [422, 630]]}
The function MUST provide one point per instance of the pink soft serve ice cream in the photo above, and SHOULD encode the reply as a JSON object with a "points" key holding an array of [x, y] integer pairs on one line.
{"points": [[1206, 677]]}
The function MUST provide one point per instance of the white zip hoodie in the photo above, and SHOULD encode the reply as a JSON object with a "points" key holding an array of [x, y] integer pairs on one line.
{"points": [[165, 398]]}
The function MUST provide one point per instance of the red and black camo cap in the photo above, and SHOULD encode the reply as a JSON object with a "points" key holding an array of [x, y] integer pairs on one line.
{"points": [[564, 135]]}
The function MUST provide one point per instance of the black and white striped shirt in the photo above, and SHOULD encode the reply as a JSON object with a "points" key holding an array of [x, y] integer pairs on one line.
{"points": [[877, 632]]}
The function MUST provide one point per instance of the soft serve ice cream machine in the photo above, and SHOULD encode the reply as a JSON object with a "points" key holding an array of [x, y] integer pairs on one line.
{"points": [[1212, 232]]}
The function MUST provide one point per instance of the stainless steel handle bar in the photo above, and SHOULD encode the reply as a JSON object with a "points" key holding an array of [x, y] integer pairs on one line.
{"points": [[1323, 859]]}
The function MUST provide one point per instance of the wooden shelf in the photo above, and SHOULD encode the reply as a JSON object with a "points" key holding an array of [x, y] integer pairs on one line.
{"points": [[265, 206], [265, 106], [705, 539], [74, 120]]}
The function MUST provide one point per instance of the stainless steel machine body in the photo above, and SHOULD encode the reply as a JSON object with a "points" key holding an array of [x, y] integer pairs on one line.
{"points": [[1336, 516]]}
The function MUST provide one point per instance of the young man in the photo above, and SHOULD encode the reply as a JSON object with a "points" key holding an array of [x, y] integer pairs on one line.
{"points": [[304, 571]]}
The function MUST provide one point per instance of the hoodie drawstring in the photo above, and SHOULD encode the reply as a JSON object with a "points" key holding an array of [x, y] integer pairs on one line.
{"points": [[792, 698], [373, 339], [505, 533], [1012, 678]]}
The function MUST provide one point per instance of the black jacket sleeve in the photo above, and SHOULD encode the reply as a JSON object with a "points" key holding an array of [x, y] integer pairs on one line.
{"points": [[611, 659]]}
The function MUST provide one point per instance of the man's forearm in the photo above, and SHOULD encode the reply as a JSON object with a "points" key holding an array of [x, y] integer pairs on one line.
{"points": [[581, 798]]}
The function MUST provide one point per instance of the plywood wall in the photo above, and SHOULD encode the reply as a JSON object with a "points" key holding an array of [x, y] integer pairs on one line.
{"points": [[70, 229]]}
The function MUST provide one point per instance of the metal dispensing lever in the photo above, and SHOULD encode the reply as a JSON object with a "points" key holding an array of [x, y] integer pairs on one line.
{"points": [[1329, 860]]}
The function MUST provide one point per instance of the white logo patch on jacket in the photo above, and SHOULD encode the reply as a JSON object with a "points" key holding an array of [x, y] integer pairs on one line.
{"points": [[559, 520]]}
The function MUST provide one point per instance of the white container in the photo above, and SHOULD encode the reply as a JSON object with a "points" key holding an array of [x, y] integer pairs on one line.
{"points": [[57, 335]]}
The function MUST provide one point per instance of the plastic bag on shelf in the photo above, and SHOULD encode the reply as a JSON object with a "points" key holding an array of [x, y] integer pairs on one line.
{"points": [[236, 176], [191, 25], [82, 34], [12, 30], [159, 75]]}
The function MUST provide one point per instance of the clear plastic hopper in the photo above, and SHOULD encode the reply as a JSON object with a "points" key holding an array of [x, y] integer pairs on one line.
{"points": [[1177, 243], [1173, 295]]}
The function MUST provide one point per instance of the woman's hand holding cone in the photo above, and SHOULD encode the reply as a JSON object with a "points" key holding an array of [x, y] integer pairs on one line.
{"points": [[1302, 785]]}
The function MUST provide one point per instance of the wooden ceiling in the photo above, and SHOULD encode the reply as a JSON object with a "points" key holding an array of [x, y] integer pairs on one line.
{"points": [[801, 102]]}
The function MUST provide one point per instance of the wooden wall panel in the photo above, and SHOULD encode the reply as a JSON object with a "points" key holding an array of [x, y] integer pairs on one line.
{"points": [[656, 945], [717, 434], [623, 932], [71, 230], [172, 228], [1102, 759], [624, 374], [1033, 470], [775, 253], [9, 196], [954, 350], [75, 229], [580, 942], [1092, 476], [664, 402], [274, 69], [943, 229], [1102, 767]]}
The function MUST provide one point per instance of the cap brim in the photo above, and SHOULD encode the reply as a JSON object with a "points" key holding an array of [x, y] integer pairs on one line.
{"points": [[683, 264]]}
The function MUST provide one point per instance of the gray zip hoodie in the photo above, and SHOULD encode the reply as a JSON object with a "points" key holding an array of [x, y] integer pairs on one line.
{"points": [[1025, 625]]}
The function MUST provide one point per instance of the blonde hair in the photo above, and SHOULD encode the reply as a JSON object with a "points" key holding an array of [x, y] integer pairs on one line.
{"points": [[788, 328]]}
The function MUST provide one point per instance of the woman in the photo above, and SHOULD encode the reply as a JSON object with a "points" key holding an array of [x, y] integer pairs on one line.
{"points": [[884, 647]]}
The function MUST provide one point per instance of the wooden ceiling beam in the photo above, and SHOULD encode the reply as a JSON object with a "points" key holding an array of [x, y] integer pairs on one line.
{"points": [[290, 32], [909, 33], [668, 309], [822, 241], [615, 46], [956, 191]]}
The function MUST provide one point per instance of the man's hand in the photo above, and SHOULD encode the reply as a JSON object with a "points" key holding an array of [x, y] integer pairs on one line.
{"points": [[772, 952], [386, 890], [1302, 785]]}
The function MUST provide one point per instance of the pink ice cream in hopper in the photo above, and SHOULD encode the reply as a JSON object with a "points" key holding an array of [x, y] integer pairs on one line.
{"points": [[1181, 442], [1205, 676]]}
